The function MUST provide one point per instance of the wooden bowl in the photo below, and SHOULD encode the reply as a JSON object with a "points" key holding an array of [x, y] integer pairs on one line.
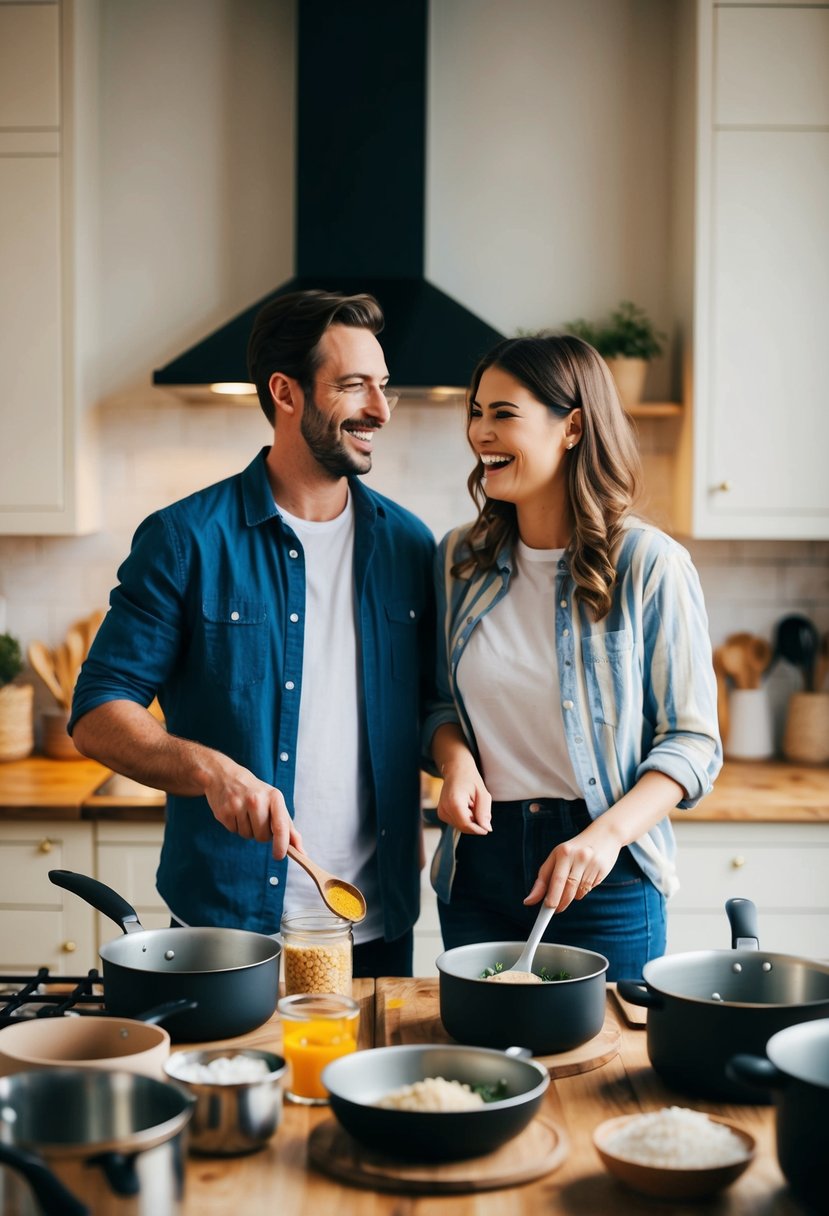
{"points": [[667, 1182]]}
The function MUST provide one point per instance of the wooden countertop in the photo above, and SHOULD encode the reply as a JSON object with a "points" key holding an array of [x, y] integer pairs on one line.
{"points": [[280, 1178], [761, 791]]}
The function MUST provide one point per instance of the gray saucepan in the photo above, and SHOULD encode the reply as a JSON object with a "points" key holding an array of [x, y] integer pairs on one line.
{"points": [[547, 1018], [232, 974], [357, 1082], [706, 1006]]}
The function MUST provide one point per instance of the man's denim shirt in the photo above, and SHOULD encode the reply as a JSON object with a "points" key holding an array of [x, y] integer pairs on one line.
{"points": [[209, 615]]}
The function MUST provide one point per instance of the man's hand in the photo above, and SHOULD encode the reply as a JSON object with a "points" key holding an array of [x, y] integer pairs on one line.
{"points": [[249, 807]]}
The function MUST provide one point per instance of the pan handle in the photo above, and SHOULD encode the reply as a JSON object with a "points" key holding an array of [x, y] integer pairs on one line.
{"points": [[52, 1196], [755, 1070], [100, 896], [742, 916], [159, 1013], [638, 993]]}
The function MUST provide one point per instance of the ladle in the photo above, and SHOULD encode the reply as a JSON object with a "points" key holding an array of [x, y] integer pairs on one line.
{"points": [[797, 642], [524, 962], [327, 885]]}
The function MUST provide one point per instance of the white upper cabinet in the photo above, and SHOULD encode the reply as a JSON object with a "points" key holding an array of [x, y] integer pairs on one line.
{"points": [[756, 435], [47, 479]]}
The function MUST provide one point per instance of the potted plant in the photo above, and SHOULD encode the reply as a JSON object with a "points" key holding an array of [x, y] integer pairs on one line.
{"points": [[627, 341], [16, 700]]}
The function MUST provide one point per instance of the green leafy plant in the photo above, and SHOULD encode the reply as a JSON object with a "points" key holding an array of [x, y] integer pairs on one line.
{"points": [[628, 332], [11, 659]]}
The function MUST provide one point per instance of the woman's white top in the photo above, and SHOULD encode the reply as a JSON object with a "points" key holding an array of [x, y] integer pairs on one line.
{"points": [[508, 677]]}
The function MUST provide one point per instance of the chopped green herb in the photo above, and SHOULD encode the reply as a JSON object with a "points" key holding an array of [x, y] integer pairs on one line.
{"points": [[550, 977], [490, 971], [492, 1091]]}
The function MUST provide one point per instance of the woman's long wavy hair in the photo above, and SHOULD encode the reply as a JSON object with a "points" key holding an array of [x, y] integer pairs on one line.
{"points": [[603, 468]]}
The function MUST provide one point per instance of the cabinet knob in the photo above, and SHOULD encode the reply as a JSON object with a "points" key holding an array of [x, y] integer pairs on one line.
{"points": [[45, 846], [737, 863], [69, 947], [722, 487]]}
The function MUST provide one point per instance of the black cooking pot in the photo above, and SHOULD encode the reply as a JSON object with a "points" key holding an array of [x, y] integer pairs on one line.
{"points": [[232, 974], [547, 1018], [797, 1069], [707, 1006], [357, 1082]]}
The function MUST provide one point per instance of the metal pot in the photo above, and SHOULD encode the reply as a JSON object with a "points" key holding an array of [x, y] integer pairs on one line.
{"points": [[136, 1045], [797, 1069], [77, 1140], [232, 974], [704, 1007], [547, 1018], [358, 1081]]}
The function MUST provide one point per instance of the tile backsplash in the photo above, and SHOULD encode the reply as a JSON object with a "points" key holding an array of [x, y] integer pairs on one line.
{"points": [[156, 449]]}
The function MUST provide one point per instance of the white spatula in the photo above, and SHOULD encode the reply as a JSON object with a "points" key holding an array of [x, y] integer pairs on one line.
{"points": [[524, 962]]}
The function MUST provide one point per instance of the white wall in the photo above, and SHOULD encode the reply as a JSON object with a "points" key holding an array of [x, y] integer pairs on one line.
{"points": [[548, 197]]}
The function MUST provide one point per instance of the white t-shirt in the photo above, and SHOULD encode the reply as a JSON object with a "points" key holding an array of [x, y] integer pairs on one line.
{"points": [[508, 678], [331, 803]]}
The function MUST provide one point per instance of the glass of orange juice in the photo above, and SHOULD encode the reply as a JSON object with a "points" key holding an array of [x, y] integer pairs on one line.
{"points": [[316, 1029]]}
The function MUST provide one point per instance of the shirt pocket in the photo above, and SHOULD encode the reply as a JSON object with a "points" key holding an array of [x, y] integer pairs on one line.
{"points": [[607, 663], [402, 616], [235, 638]]}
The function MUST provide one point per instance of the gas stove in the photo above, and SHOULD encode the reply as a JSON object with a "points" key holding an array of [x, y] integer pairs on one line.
{"points": [[41, 995]]}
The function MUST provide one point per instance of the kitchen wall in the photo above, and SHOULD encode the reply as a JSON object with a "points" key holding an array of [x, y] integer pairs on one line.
{"points": [[548, 198]]}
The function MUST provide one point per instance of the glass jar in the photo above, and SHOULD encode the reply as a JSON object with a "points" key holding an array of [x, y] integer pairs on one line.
{"points": [[317, 950], [316, 1029]]}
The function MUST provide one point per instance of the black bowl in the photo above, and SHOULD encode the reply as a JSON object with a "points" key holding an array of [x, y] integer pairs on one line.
{"points": [[357, 1082], [547, 1018]]}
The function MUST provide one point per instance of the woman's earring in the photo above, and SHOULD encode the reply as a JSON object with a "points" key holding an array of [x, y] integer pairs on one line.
{"points": [[569, 445]]}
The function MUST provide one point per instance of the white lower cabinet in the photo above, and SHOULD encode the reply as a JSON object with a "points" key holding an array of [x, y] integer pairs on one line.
{"points": [[783, 868], [126, 860], [42, 925]]}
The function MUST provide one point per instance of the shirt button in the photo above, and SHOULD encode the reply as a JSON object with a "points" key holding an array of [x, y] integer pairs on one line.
{"points": [[273, 880], [579, 739], [289, 684], [283, 755], [534, 807], [567, 663], [563, 603], [565, 633], [294, 617], [234, 616], [469, 620], [561, 565], [382, 831], [292, 553], [592, 781], [412, 613], [568, 704]]}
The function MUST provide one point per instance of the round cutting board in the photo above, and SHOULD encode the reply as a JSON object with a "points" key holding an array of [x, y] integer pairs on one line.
{"points": [[592, 1054], [539, 1149]]}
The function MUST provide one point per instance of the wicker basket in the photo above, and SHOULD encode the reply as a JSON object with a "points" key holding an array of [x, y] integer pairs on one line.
{"points": [[806, 738], [17, 735]]}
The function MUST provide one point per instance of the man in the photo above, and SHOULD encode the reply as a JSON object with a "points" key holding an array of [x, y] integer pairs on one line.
{"points": [[285, 619]]}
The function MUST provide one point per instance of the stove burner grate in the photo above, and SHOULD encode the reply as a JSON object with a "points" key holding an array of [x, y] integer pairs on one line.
{"points": [[41, 995]]}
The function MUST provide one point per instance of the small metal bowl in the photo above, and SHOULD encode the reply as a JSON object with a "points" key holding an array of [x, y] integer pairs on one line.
{"points": [[235, 1117]]}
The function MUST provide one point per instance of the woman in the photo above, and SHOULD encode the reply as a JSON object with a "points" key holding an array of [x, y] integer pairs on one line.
{"points": [[577, 700]]}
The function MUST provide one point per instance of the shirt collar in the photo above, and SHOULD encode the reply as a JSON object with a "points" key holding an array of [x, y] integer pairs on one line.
{"points": [[258, 496]]}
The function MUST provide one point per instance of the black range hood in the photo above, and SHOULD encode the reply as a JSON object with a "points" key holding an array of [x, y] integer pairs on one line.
{"points": [[360, 197]]}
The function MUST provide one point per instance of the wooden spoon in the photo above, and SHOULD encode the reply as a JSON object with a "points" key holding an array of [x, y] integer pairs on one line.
{"points": [[41, 660], [822, 664], [337, 894], [745, 657], [722, 694]]}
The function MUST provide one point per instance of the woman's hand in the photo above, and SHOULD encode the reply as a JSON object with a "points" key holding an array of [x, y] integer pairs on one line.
{"points": [[575, 867], [465, 802]]}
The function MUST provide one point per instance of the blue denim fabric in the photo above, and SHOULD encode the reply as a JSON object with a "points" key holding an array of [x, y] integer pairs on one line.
{"points": [[622, 918], [209, 614]]}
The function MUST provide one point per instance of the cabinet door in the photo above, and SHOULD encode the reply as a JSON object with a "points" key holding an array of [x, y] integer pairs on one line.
{"points": [[765, 449], [126, 860], [42, 925], [31, 454], [29, 65]]}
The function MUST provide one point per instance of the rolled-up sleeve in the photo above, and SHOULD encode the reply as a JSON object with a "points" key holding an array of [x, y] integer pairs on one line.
{"points": [[680, 693], [138, 642]]}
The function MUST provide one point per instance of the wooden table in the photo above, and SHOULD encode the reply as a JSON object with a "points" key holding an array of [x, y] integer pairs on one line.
{"points": [[279, 1179]]}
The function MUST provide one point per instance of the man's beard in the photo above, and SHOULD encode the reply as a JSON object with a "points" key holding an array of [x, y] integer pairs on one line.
{"points": [[326, 445]]}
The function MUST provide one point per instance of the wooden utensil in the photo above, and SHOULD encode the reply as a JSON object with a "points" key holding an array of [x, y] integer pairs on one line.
{"points": [[722, 694], [822, 663], [744, 657], [42, 662], [329, 886]]}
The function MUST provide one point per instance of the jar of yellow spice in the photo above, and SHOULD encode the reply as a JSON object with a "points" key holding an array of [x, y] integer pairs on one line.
{"points": [[317, 950]]}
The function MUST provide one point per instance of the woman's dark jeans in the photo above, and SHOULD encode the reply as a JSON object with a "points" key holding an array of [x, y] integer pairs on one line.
{"points": [[622, 918]]}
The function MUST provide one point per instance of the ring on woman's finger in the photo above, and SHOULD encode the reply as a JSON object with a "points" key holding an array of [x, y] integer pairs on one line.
{"points": [[571, 878]]}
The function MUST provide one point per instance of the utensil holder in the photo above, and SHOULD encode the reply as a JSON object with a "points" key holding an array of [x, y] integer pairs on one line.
{"points": [[806, 737], [56, 743], [749, 733]]}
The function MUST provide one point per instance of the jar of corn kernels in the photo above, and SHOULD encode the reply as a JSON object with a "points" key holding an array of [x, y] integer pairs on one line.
{"points": [[317, 952]]}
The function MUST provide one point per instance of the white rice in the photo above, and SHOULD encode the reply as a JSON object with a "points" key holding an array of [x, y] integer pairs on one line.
{"points": [[678, 1138], [223, 1070], [432, 1094]]}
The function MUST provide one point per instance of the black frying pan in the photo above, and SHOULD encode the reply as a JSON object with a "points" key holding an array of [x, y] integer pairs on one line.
{"points": [[232, 974]]}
